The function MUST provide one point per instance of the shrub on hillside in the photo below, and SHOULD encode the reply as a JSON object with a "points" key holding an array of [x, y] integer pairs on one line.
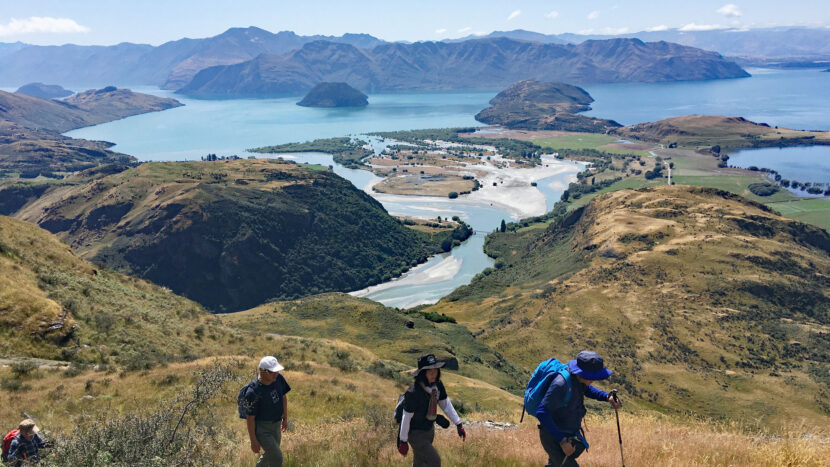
{"points": [[763, 188], [183, 431]]}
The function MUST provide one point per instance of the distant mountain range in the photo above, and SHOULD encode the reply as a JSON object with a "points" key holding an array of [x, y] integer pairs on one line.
{"points": [[172, 65], [763, 42], [475, 64]]}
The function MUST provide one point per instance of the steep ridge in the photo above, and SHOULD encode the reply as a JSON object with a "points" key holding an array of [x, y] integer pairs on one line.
{"points": [[57, 306], [701, 301], [532, 105], [233, 234], [475, 64]]}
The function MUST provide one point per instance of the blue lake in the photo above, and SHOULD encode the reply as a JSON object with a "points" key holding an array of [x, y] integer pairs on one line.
{"points": [[798, 99], [801, 163]]}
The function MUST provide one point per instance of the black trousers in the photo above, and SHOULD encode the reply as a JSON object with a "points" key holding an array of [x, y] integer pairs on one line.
{"points": [[556, 457]]}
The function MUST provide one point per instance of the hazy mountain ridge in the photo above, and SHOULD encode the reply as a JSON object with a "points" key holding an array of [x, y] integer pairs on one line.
{"points": [[170, 65], [476, 64], [779, 42]]}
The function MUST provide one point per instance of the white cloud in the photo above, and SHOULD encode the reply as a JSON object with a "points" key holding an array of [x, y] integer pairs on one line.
{"points": [[38, 24], [514, 14], [730, 9], [593, 15], [662, 27], [552, 15], [440, 31], [467, 29], [701, 27]]}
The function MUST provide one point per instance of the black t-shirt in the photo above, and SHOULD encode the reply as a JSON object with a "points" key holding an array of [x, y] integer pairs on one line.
{"points": [[416, 400], [265, 402]]}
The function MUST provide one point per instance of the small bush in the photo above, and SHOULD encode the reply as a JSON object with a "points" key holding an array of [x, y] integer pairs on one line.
{"points": [[23, 368], [763, 188], [343, 361]]}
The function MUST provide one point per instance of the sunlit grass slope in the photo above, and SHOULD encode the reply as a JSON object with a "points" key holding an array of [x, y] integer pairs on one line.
{"points": [[700, 300]]}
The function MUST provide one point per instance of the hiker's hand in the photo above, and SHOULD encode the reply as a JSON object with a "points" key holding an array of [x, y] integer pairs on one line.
{"points": [[461, 432], [255, 446], [615, 402], [567, 446], [284, 424], [403, 448]]}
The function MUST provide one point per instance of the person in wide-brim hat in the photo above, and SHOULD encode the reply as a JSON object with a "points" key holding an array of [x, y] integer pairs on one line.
{"points": [[420, 411], [562, 408]]}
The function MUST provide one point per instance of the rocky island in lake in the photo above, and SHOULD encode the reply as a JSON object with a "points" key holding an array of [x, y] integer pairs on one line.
{"points": [[44, 91], [334, 95], [535, 105]]}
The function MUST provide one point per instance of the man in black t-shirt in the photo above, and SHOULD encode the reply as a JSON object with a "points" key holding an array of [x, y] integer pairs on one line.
{"points": [[267, 410]]}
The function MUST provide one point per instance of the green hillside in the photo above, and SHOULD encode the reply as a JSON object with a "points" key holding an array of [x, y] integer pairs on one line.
{"points": [[234, 234]]}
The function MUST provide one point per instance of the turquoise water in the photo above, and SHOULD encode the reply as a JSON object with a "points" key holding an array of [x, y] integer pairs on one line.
{"points": [[226, 127], [801, 163], [798, 99]]}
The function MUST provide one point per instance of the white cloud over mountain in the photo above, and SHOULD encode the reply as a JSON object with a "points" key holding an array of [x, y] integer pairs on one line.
{"points": [[41, 24], [514, 14]]}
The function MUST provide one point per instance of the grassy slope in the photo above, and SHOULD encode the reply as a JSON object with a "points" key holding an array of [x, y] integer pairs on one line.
{"points": [[233, 234], [337, 415], [382, 330], [693, 302], [57, 306]]}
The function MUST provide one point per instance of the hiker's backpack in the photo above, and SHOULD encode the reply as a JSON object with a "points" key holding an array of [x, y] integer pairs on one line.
{"points": [[539, 382], [241, 403], [399, 409], [7, 443]]}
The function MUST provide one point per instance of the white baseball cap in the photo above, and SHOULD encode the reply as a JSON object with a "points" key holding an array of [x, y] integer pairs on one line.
{"points": [[271, 364]]}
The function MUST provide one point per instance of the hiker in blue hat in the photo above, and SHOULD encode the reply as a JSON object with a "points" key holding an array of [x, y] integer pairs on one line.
{"points": [[563, 406]]}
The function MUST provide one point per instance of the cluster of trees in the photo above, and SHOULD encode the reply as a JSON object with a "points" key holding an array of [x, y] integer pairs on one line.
{"points": [[214, 157]]}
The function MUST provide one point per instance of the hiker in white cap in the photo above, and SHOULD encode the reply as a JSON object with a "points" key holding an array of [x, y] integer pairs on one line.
{"points": [[266, 408]]}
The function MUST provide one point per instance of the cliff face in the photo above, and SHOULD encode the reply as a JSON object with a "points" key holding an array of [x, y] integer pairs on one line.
{"points": [[532, 105], [334, 95], [475, 64]]}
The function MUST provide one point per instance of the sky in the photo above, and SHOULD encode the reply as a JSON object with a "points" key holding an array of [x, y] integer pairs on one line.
{"points": [[54, 22]]}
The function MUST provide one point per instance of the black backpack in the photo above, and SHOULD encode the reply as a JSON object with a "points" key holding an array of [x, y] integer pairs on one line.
{"points": [[242, 404]]}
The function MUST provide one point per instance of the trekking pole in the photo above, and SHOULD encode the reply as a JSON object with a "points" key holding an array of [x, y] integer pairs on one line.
{"points": [[619, 433]]}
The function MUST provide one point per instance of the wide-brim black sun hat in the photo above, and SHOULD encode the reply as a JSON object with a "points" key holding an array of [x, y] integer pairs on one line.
{"points": [[425, 362], [589, 365]]}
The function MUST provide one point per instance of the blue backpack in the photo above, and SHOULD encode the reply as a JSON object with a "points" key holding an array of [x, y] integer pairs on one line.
{"points": [[539, 382]]}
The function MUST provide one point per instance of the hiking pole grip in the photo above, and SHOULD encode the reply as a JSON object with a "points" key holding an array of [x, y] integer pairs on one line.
{"points": [[619, 433]]}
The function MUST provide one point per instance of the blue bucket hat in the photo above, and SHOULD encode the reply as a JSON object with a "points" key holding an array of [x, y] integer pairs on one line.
{"points": [[589, 365]]}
